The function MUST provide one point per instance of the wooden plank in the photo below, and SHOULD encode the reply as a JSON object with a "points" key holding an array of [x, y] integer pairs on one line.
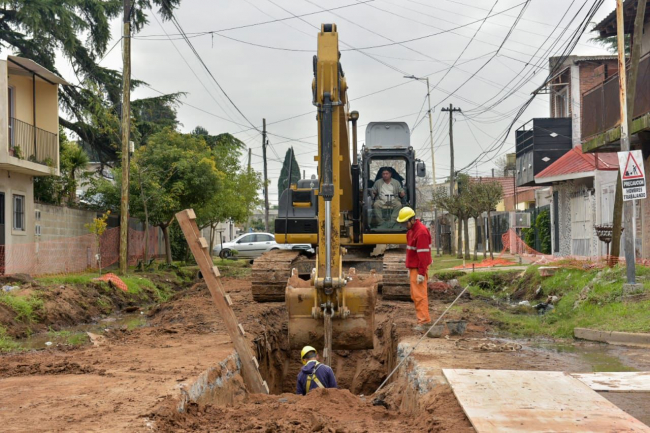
{"points": [[628, 381], [252, 376], [534, 401]]}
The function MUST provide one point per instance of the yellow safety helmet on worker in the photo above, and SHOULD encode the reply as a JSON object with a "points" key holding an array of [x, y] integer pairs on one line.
{"points": [[305, 350], [405, 214]]}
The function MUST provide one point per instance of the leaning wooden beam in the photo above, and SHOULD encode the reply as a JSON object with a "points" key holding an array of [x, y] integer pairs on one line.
{"points": [[199, 247]]}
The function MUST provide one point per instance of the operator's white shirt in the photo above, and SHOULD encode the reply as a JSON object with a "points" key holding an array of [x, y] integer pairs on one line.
{"points": [[386, 189]]}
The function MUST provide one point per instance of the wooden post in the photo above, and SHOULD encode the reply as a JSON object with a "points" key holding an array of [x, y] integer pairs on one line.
{"points": [[199, 247], [628, 208], [126, 124]]}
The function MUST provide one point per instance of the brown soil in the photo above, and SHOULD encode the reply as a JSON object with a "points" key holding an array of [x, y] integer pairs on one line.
{"points": [[71, 304], [132, 380], [323, 410]]}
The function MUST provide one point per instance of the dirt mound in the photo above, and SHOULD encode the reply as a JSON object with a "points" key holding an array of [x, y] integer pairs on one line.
{"points": [[324, 410], [54, 306], [63, 367]]}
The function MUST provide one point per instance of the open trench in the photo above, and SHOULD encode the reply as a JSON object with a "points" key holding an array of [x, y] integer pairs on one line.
{"points": [[359, 371]]}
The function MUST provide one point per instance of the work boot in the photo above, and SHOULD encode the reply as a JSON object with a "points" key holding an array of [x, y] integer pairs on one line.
{"points": [[423, 327]]}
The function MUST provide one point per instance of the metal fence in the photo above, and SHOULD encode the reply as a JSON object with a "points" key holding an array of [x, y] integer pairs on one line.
{"points": [[500, 225], [601, 107], [31, 143]]}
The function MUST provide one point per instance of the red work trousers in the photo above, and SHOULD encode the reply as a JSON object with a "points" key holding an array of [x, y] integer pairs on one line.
{"points": [[419, 296]]}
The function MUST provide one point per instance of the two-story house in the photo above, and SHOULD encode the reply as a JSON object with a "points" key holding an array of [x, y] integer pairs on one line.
{"points": [[600, 127], [549, 155], [29, 147]]}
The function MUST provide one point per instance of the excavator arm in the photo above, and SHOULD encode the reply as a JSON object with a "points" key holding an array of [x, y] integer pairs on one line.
{"points": [[333, 310]]}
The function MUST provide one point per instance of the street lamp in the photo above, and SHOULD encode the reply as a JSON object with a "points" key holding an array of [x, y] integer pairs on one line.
{"points": [[433, 157]]}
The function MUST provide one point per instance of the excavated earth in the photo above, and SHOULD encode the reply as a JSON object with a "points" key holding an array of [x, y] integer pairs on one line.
{"points": [[180, 373]]}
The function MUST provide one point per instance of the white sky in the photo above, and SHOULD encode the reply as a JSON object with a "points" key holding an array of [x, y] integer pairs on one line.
{"points": [[276, 84]]}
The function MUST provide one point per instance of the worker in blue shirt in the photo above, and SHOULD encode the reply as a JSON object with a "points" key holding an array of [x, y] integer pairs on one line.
{"points": [[313, 374]]}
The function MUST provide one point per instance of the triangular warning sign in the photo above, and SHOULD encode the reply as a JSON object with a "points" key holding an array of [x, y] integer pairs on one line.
{"points": [[632, 171]]}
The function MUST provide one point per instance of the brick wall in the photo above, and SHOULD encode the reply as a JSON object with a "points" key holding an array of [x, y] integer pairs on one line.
{"points": [[593, 73]]}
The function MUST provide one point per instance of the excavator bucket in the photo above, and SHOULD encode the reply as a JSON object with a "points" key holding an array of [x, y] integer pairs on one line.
{"points": [[353, 332]]}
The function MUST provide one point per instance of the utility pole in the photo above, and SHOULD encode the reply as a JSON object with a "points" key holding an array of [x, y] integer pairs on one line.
{"points": [[433, 160], [266, 181], [628, 209], [304, 176], [452, 180], [249, 159], [126, 125]]}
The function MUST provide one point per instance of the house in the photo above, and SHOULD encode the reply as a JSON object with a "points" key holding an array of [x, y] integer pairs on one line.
{"points": [[600, 128], [578, 187], [583, 187], [29, 146]]}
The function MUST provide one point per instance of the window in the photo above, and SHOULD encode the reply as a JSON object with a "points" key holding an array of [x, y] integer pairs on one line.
{"points": [[246, 239], [19, 212], [263, 238]]}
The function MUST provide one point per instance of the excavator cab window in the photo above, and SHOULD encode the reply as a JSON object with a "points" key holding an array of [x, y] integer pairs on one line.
{"points": [[386, 193]]}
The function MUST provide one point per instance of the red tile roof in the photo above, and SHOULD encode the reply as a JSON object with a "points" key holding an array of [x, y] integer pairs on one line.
{"points": [[507, 183], [574, 161]]}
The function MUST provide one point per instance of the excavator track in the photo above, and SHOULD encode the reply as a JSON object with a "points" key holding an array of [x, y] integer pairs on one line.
{"points": [[395, 285], [272, 270]]}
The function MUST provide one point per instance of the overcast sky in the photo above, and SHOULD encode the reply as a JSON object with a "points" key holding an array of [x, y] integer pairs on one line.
{"points": [[266, 69]]}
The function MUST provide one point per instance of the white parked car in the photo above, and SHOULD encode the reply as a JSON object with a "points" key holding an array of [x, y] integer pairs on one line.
{"points": [[252, 245]]}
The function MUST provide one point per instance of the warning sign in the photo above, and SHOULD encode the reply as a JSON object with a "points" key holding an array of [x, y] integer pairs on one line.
{"points": [[632, 175]]}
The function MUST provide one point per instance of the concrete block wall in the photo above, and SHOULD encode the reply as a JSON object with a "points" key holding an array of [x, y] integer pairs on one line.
{"points": [[62, 222]]}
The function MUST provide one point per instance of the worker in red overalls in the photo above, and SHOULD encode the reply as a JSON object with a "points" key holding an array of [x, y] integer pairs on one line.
{"points": [[418, 259]]}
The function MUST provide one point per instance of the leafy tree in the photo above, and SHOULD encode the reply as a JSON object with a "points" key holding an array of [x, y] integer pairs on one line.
{"points": [[80, 32], [488, 195], [289, 159], [236, 195], [610, 43], [172, 172]]}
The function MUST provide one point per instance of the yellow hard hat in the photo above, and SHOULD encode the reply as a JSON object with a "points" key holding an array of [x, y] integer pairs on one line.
{"points": [[305, 350], [405, 214]]}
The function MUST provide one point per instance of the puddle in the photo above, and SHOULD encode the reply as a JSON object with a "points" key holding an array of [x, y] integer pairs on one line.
{"points": [[595, 357], [76, 335]]}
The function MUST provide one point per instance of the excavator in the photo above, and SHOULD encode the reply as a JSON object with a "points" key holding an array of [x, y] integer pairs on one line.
{"points": [[331, 298]]}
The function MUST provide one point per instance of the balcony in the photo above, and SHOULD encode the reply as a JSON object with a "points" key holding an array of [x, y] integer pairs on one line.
{"points": [[32, 144], [601, 117]]}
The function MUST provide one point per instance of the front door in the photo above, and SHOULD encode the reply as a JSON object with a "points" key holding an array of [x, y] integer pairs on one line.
{"points": [[2, 233]]}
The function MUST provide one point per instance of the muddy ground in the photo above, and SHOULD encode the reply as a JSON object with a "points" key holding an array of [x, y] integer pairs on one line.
{"points": [[133, 380]]}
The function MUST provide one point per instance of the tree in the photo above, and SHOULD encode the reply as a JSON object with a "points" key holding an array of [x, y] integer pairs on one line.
{"points": [[455, 206], [488, 195], [610, 43], [289, 159], [73, 162], [172, 172], [80, 32], [503, 168], [239, 183]]}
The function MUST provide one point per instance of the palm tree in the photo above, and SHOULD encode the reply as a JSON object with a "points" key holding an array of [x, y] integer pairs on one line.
{"points": [[73, 161]]}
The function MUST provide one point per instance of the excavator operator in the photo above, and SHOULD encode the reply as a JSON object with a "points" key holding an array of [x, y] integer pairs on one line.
{"points": [[387, 193], [313, 374]]}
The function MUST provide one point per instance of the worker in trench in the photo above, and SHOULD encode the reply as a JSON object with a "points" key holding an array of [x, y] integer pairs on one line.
{"points": [[418, 259], [313, 374]]}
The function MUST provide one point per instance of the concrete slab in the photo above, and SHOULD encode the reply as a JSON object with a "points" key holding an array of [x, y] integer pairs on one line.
{"points": [[532, 401], [612, 337], [628, 381]]}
